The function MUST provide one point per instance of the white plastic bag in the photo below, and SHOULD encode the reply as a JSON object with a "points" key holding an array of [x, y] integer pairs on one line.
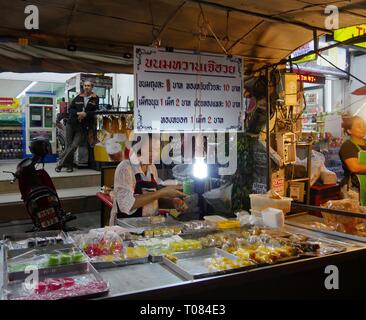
{"points": [[182, 171], [317, 163], [220, 198], [243, 217], [327, 176]]}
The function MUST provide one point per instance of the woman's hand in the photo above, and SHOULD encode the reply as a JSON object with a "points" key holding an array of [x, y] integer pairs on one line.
{"points": [[171, 192], [179, 205]]}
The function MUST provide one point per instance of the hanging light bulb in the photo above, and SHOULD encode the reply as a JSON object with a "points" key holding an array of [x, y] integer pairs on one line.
{"points": [[200, 168]]}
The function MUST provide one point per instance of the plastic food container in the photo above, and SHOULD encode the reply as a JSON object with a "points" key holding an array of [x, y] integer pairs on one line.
{"points": [[261, 202], [273, 218]]}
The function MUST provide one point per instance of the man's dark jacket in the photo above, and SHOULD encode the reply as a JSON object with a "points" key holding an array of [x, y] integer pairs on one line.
{"points": [[77, 105]]}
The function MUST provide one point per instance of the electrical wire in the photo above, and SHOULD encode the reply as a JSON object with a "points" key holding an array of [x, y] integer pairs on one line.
{"points": [[346, 72], [213, 33]]}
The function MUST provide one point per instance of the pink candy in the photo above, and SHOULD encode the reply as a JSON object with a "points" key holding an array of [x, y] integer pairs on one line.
{"points": [[68, 289]]}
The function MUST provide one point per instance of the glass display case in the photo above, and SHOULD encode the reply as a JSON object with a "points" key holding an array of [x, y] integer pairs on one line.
{"points": [[344, 218]]}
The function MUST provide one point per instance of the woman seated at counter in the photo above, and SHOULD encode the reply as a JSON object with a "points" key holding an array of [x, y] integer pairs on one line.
{"points": [[353, 155], [136, 192]]}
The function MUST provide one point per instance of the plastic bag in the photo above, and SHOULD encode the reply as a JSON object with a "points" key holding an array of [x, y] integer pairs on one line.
{"points": [[327, 176], [343, 223], [220, 198], [97, 243], [182, 171], [248, 219], [317, 163], [191, 202], [350, 194]]}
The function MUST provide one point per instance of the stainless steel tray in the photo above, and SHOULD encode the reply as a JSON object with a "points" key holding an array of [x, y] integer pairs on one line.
{"points": [[42, 270], [39, 250], [143, 223], [191, 264], [118, 263], [155, 259], [50, 271], [17, 241], [15, 289]]}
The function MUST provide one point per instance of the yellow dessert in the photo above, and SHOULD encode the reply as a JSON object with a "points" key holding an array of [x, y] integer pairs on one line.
{"points": [[229, 224], [136, 252], [185, 245], [171, 257]]}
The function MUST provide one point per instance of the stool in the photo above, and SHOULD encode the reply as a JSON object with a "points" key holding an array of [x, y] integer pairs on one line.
{"points": [[107, 203], [320, 194]]}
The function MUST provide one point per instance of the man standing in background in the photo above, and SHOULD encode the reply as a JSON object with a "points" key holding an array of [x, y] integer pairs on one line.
{"points": [[81, 118]]}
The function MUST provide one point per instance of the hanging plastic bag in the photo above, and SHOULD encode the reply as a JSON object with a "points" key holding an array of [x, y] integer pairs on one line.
{"points": [[317, 163], [182, 171], [220, 199]]}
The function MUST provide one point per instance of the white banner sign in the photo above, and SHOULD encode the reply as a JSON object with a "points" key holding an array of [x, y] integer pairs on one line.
{"points": [[184, 91]]}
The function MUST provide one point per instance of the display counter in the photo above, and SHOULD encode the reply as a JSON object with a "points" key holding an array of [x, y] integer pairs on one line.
{"points": [[296, 279], [342, 218], [302, 278]]}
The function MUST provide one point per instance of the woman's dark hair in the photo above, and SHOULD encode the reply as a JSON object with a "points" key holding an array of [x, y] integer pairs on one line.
{"points": [[347, 122]]}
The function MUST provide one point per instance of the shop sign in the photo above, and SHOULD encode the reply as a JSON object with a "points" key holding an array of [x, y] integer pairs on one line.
{"points": [[9, 105], [10, 112], [347, 33], [278, 185], [186, 91], [259, 187], [308, 47], [310, 78], [40, 100]]}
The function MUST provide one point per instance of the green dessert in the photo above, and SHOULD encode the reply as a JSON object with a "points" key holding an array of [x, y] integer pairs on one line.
{"points": [[65, 258], [77, 257], [53, 260]]}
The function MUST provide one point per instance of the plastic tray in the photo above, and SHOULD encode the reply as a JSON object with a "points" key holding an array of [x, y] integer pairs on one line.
{"points": [[143, 222]]}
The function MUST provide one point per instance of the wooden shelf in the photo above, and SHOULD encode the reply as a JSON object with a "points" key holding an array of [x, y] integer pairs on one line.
{"points": [[299, 180], [10, 127]]}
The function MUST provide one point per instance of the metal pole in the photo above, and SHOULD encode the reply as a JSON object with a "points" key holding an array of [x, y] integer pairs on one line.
{"points": [[268, 134], [308, 184]]}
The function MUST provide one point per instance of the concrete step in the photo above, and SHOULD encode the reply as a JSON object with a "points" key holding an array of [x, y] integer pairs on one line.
{"points": [[62, 180], [86, 221], [75, 200]]}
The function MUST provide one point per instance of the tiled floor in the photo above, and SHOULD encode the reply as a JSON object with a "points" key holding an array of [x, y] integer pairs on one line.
{"points": [[85, 220]]}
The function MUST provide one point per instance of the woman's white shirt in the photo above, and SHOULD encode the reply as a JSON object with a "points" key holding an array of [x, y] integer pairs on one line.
{"points": [[124, 189]]}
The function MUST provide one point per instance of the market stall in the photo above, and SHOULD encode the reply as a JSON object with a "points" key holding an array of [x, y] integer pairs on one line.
{"points": [[245, 262], [189, 89]]}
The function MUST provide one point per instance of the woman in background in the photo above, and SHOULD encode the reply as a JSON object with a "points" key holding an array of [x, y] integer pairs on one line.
{"points": [[353, 155]]}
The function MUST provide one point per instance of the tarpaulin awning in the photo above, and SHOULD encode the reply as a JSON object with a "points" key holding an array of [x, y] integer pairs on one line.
{"points": [[263, 32], [360, 91]]}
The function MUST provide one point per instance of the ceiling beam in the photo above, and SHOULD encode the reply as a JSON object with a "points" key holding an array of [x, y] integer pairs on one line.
{"points": [[169, 19]]}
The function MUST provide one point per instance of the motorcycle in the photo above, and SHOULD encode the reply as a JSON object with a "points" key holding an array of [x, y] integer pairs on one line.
{"points": [[38, 191]]}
